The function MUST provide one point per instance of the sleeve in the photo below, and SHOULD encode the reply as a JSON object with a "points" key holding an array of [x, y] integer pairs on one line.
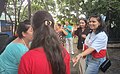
{"points": [[76, 32], [100, 42], [87, 31], [24, 66]]}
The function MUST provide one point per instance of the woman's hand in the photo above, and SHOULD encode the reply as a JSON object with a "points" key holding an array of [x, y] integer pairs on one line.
{"points": [[83, 36], [76, 59]]}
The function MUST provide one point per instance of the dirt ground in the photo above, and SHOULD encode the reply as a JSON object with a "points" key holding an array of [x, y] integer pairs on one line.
{"points": [[114, 55], [115, 60]]}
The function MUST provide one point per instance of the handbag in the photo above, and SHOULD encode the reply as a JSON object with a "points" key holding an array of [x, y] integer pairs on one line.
{"points": [[105, 65]]}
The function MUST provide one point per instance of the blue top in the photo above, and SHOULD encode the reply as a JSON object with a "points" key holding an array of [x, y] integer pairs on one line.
{"points": [[69, 32], [9, 59], [97, 41]]}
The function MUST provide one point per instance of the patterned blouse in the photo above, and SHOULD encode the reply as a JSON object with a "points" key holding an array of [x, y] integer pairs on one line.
{"points": [[61, 37]]}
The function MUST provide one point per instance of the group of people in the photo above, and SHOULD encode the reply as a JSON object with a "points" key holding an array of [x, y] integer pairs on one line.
{"points": [[65, 35], [95, 46], [38, 48], [67, 32]]}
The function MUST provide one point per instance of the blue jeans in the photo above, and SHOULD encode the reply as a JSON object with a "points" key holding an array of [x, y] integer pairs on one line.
{"points": [[93, 64]]}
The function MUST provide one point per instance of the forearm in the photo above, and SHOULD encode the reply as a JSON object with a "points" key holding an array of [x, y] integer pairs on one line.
{"points": [[81, 55], [87, 51], [64, 32], [69, 30], [83, 36]]}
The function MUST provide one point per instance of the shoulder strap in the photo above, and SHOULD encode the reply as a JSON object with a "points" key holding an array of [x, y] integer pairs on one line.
{"points": [[107, 55]]}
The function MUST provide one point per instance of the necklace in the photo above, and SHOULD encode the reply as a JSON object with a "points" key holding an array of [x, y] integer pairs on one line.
{"points": [[24, 42]]}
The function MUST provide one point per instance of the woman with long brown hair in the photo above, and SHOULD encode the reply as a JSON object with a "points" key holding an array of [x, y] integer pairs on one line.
{"points": [[46, 55]]}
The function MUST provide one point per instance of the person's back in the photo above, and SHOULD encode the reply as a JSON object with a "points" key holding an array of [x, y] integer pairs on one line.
{"points": [[46, 55], [38, 62], [10, 57]]}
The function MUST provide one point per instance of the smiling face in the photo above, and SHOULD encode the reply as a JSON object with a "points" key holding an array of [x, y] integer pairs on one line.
{"points": [[82, 23], [93, 23]]}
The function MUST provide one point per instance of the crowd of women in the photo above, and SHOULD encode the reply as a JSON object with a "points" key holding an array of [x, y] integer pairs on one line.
{"points": [[39, 46]]}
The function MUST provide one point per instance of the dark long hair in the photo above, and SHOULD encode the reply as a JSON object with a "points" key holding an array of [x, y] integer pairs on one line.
{"points": [[86, 23], [101, 27], [45, 36], [85, 20]]}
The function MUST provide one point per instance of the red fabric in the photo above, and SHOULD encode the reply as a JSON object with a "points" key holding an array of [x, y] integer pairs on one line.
{"points": [[35, 62], [100, 54], [84, 47]]}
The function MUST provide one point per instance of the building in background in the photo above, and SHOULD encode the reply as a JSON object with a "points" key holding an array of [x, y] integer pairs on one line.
{"points": [[6, 27]]}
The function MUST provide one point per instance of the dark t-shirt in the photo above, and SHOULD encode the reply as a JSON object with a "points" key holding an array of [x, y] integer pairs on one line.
{"points": [[79, 33]]}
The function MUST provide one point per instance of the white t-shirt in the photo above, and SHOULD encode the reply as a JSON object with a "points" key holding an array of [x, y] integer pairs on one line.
{"points": [[97, 41]]}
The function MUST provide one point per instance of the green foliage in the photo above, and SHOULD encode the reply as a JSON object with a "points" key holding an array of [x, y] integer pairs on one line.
{"points": [[70, 9]]}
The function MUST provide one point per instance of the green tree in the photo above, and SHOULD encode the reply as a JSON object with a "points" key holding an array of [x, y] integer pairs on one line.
{"points": [[13, 10], [110, 8]]}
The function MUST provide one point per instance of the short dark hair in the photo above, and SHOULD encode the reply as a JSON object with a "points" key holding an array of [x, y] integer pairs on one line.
{"points": [[26, 21], [22, 27], [59, 25]]}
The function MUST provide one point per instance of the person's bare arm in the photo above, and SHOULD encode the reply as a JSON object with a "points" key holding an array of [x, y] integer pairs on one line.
{"points": [[83, 36], [64, 32], [86, 52]]}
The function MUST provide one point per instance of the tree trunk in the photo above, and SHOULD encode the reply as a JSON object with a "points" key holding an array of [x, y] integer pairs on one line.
{"points": [[29, 9]]}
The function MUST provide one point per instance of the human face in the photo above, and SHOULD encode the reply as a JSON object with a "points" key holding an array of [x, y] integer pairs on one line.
{"points": [[93, 23], [29, 34], [82, 23], [66, 23]]}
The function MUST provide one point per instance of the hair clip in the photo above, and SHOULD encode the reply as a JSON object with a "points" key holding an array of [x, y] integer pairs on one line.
{"points": [[48, 23]]}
